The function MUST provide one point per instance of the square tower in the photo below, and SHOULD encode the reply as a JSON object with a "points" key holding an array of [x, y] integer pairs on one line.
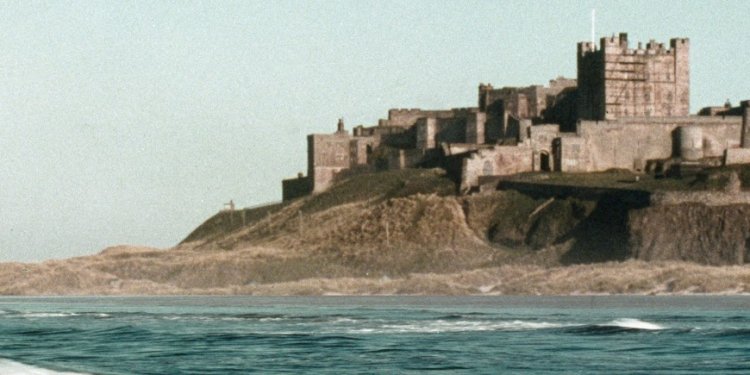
{"points": [[616, 81]]}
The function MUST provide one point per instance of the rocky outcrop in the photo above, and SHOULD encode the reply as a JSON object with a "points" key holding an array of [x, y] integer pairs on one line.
{"points": [[695, 232]]}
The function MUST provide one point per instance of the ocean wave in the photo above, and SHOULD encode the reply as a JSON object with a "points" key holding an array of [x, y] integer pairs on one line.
{"points": [[48, 314], [617, 326], [635, 324], [17, 368], [52, 314], [455, 316], [438, 326], [731, 332]]}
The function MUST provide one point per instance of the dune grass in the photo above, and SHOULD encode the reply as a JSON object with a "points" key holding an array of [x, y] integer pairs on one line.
{"points": [[379, 186]]}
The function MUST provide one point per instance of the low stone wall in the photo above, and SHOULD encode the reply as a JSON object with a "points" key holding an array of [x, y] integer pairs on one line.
{"points": [[498, 161], [296, 187], [737, 156]]}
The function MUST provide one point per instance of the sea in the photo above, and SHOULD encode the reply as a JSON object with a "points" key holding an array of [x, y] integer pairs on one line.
{"points": [[375, 335]]}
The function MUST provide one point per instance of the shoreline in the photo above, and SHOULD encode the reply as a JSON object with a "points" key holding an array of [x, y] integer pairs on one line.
{"points": [[627, 278]]}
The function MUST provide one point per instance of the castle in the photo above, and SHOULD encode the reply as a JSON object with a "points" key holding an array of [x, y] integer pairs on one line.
{"points": [[627, 109]]}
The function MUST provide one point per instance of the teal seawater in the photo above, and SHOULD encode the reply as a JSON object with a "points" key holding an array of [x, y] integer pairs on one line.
{"points": [[392, 335]]}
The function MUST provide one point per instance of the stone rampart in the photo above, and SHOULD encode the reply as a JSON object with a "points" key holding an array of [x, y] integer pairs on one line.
{"points": [[296, 187], [737, 156], [407, 117], [496, 161], [624, 143]]}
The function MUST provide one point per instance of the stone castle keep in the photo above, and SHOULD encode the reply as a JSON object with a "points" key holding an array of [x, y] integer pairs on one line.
{"points": [[627, 109]]}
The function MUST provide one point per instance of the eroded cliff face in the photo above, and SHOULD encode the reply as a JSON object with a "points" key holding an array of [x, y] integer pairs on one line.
{"points": [[553, 231], [612, 229], [715, 235]]}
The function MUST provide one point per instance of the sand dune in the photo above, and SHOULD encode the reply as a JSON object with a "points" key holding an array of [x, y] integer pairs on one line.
{"points": [[135, 270]]}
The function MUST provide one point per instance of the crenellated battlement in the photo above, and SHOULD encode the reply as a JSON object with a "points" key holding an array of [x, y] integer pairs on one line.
{"points": [[404, 111], [620, 45], [463, 110], [679, 42], [585, 48], [619, 42]]}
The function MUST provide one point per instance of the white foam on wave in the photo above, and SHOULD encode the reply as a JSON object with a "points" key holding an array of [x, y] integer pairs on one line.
{"points": [[17, 368], [635, 324], [439, 326], [32, 314], [344, 321], [272, 319], [47, 315]]}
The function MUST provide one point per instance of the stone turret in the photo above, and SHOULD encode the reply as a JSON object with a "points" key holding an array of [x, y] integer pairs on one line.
{"points": [[617, 81]]}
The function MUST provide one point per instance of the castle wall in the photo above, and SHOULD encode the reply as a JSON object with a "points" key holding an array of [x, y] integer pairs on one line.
{"points": [[405, 118], [451, 130], [741, 155], [327, 154], [475, 127], [504, 107], [628, 143], [572, 155], [737, 156], [496, 161], [464, 123], [524, 102], [360, 149], [541, 136], [296, 187], [590, 82], [426, 129], [402, 159], [323, 177]]}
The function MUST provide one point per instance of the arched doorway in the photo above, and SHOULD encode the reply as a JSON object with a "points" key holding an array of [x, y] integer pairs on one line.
{"points": [[544, 162]]}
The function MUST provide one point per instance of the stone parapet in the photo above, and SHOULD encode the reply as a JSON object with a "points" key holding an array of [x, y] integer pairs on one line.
{"points": [[737, 156]]}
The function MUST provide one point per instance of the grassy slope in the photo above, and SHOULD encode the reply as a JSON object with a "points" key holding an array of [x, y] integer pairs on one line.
{"points": [[711, 179]]}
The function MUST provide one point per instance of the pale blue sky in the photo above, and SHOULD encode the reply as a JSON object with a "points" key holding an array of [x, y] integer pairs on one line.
{"points": [[131, 123]]}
